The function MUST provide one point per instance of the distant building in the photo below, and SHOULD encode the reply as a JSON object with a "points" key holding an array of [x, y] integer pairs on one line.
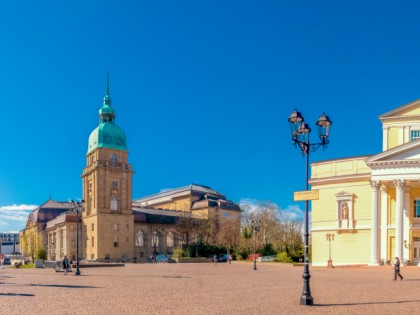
{"points": [[113, 226], [9, 243]]}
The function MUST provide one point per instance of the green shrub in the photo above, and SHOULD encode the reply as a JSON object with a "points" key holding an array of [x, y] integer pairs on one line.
{"points": [[283, 257], [268, 250], [239, 257], [41, 254], [177, 252]]}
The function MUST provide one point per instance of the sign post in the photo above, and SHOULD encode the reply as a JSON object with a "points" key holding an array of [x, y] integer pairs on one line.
{"points": [[306, 195]]}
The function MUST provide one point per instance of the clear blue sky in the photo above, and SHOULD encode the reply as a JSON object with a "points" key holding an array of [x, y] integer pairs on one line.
{"points": [[203, 90]]}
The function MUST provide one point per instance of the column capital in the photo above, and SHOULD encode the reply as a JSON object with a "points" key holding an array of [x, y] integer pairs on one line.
{"points": [[375, 184], [399, 183], [384, 188]]}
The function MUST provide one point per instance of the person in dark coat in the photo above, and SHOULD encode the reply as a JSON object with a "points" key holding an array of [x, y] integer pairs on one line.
{"points": [[66, 264], [397, 269]]}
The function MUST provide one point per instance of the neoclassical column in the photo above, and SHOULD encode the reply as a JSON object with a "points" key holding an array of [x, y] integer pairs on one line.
{"points": [[399, 184], [406, 223], [374, 244], [384, 223]]}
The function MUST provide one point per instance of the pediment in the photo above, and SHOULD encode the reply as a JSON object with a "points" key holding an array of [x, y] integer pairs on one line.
{"points": [[344, 194], [407, 153], [407, 111]]}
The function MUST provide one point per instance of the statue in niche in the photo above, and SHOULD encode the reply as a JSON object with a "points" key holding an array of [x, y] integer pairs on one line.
{"points": [[345, 211]]}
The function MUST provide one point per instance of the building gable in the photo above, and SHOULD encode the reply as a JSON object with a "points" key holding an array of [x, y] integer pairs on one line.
{"points": [[408, 153], [411, 109]]}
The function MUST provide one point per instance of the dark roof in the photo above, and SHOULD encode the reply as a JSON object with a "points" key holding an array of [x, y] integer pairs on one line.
{"points": [[157, 216], [194, 189], [48, 211]]}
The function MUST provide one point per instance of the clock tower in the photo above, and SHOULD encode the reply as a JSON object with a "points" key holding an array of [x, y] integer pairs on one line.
{"points": [[107, 217]]}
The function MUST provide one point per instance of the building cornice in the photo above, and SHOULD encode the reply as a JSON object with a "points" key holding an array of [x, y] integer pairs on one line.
{"points": [[343, 178], [400, 118], [395, 163]]}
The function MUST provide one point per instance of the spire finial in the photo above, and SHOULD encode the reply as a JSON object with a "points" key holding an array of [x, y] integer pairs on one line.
{"points": [[107, 98], [107, 84]]}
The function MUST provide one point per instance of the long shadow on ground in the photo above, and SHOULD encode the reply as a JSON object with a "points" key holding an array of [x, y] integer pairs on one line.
{"points": [[17, 294], [64, 286]]}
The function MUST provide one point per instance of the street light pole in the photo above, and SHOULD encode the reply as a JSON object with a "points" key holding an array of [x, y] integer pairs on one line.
{"points": [[255, 228], [300, 136], [77, 206], [330, 237]]}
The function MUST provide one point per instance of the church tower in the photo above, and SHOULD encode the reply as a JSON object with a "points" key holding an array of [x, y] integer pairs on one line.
{"points": [[108, 222]]}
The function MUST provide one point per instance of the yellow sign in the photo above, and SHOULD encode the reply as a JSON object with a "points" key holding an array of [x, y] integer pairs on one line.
{"points": [[306, 195]]}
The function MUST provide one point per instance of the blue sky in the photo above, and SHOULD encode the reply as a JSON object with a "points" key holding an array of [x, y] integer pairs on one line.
{"points": [[203, 90]]}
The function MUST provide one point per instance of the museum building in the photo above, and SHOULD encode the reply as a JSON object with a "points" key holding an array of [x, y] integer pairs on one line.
{"points": [[371, 204], [113, 226]]}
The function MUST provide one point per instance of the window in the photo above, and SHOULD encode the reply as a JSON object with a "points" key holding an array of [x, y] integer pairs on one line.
{"points": [[225, 214], [116, 241], [114, 157], [93, 241], [114, 203], [417, 208], [170, 239], [93, 226], [116, 227], [73, 243], [155, 238], [114, 184], [415, 134], [139, 239]]}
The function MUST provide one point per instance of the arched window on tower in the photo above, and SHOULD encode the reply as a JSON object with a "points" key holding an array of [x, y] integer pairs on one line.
{"points": [[114, 157], [114, 203], [139, 239]]}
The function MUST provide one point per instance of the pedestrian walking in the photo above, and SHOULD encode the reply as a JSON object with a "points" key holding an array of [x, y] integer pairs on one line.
{"points": [[215, 259], [230, 258], [66, 264], [397, 269]]}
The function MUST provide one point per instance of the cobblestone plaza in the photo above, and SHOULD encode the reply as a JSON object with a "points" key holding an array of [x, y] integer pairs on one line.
{"points": [[208, 289]]}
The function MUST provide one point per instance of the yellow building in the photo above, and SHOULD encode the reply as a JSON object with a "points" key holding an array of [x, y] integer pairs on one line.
{"points": [[371, 203], [113, 227]]}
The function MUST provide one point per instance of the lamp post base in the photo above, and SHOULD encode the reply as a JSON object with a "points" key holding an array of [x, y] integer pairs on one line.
{"points": [[330, 264], [306, 300]]}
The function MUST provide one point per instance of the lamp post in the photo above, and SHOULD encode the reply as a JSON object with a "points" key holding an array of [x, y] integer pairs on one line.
{"points": [[300, 136], [330, 237], [255, 228], [76, 207]]}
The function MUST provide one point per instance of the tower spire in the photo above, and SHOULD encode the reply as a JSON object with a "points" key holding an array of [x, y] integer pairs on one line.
{"points": [[107, 97]]}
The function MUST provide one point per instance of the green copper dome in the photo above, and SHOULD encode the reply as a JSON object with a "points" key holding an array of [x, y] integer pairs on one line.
{"points": [[107, 134]]}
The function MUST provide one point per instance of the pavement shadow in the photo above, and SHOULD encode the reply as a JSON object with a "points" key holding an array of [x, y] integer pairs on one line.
{"points": [[64, 286], [368, 303], [17, 294]]}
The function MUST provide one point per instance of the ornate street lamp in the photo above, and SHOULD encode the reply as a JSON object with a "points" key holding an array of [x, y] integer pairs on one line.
{"points": [[330, 237], [255, 224], [300, 136], [76, 207]]}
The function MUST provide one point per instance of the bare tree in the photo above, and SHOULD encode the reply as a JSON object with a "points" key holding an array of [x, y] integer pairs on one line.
{"points": [[228, 235]]}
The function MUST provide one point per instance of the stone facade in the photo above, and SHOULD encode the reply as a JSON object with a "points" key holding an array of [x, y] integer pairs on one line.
{"points": [[109, 225]]}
